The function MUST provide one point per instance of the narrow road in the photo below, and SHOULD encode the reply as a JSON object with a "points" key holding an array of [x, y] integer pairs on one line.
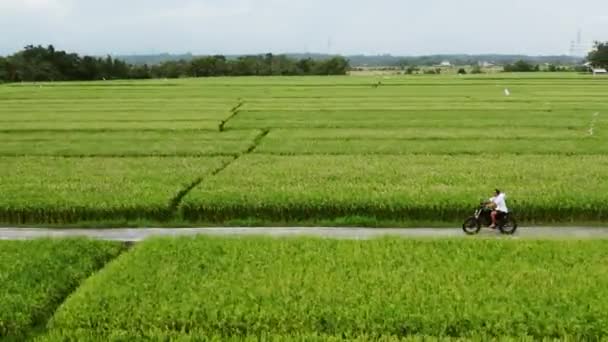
{"points": [[139, 234]]}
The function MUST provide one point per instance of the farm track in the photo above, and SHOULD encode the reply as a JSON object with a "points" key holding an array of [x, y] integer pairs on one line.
{"points": [[139, 234]]}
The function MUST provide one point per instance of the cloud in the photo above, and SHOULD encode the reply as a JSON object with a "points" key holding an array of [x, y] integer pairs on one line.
{"points": [[251, 26], [25, 6], [205, 10]]}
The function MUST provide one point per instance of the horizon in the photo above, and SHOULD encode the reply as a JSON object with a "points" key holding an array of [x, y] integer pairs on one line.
{"points": [[299, 53]]}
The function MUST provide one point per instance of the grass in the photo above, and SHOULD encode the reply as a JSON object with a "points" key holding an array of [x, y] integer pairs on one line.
{"points": [[387, 288], [308, 149], [36, 276]]}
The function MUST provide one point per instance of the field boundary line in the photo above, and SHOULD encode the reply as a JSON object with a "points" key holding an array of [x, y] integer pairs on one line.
{"points": [[234, 111], [257, 141], [178, 198], [120, 156], [111, 130], [443, 154], [40, 325]]}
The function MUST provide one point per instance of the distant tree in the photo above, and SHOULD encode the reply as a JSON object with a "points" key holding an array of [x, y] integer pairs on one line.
{"points": [[476, 70], [4, 67], [89, 69], [170, 69], [282, 65], [220, 66], [598, 57], [462, 71], [209, 66], [38, 63], [403, 64], [411, 70], [580, 68], [106, 66], [521, 66], [120, 69], [305, 66], [140, 72], [202, 67], [246, 66], [332, 66]]}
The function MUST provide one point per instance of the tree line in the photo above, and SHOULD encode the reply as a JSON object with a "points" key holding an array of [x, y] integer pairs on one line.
{"points": [[599, 56], [38, 63]]}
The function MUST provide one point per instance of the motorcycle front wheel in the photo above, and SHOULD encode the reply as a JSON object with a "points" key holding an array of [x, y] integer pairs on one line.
{"points": [[471, 226]]}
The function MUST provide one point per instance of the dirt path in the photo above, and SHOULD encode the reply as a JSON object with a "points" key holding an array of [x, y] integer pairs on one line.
{"points": [[139, 234]]}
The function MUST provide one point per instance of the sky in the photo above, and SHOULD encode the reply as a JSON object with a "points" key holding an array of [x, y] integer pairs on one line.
{"points": [[398, 27]]}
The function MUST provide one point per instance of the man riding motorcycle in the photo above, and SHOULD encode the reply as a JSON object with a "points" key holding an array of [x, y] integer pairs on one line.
{"points": [[498, 205]]}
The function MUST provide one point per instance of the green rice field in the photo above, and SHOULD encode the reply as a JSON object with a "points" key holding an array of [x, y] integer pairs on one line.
{"points": [[36, 276], [300, 150], [258, 289], [304, 289]]}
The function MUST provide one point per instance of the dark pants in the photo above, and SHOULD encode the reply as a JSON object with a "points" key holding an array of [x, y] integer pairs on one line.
{"points": [[497, 215]]}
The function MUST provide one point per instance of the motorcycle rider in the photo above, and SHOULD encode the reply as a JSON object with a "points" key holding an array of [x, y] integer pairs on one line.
{"points": [[498, 205]]}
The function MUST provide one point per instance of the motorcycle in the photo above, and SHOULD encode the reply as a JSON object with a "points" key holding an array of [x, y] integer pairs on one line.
{"points": [[505, 222]]}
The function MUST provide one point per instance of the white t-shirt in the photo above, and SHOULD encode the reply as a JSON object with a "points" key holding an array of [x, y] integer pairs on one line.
{"points": [[501, 205]]}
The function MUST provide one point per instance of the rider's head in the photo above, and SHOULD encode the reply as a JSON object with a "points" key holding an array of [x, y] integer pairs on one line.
{"points": [[496, 192]]}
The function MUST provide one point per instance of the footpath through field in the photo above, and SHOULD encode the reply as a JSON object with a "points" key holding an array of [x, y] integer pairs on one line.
{"points": [[139, 234]]}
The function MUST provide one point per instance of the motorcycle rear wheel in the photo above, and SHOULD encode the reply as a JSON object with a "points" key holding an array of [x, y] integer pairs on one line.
{"points": [[509, 227], [471, 226]]}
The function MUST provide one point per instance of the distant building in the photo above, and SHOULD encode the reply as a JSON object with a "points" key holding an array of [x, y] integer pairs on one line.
{"points": [[484, 64], [446, 64], [600, 72]]}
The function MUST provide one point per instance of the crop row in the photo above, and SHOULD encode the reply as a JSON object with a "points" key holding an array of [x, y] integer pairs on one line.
{"points": [[541, 188], [490, 119], [94, 112], [445, 141], [495, 120], [242, 288], [66, 190], [93, 126], [126, 143], [107, 109], [35, 277], [429, 133], [490, 147], [331, 87]]}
